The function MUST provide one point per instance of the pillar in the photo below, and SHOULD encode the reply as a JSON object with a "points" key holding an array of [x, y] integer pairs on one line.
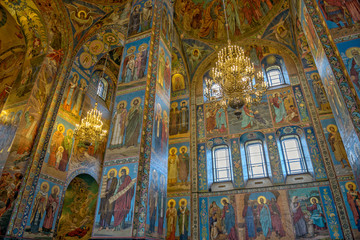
{"points": [[341, 95], [137, 146]]}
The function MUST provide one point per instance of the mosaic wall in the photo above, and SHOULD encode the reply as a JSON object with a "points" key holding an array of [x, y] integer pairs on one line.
{"points": [[267, 118], [115, 207], [160, 74], [302, 213], [278, 109]]}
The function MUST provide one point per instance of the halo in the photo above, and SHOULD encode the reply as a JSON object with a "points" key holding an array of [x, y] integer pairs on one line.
{"points": [[280, 26], [162, 52], [224, 198], [172, 149], [261, 197], [171, 200], [350, 183], [348, 51], [184, 102], [143, 46], [184, 147], [195, 50], [69, 131], [313, 74], [331, 125], [271, 60], [58, 126], [81, 11], [136, 6], [124, 102], [61, 147], [147, 2], [311, 199], [183, 199], [114, 170], [126, 168], [44, 184], [174, 105], [55, 187], [75, 74], [131, 50], [178, 75], [132, 101]]}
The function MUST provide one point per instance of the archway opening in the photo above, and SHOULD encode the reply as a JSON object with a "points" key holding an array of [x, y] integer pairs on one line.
{"points": [[77, 216]]}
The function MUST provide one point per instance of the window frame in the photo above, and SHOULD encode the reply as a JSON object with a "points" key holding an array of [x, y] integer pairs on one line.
{"points": [[305, 168], [215, 92], [105, 88], [281, 75], [264, 162], [216, 179]]}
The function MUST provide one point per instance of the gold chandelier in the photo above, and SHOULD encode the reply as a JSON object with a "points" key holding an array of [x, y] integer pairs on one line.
{"points": [[90, 130], [237, 81]]}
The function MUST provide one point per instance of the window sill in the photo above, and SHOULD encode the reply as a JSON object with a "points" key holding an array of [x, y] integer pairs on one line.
{"points": [[299, 178], [279, 86], [221, 186], [259, 182]]}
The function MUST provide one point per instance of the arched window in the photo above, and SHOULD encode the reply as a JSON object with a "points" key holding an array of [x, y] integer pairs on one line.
{"points": [[275, 72], [255, 158], [274, 76], [215, 91], [102, 88], [221, 163], [293, 154]]}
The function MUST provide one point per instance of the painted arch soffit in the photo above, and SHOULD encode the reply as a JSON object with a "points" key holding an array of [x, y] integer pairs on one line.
{"points": [[205, 20], [23, 11]]}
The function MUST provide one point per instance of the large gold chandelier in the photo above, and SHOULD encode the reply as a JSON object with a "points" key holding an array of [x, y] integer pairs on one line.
{"points": [[90, 130], [237, 81]]}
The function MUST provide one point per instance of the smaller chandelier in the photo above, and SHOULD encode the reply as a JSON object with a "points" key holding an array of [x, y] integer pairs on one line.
{"points": [[90, 130], [237, 81]]}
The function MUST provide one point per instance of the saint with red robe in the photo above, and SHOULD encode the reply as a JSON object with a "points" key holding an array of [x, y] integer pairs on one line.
{"points": [[51, 208], [122, 198]]}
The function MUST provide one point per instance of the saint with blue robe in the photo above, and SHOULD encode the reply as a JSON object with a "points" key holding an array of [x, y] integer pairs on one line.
{"points": [[279, 108], [316, 215], [220, 119], [265, 217], [229, 219], [248, 215]]}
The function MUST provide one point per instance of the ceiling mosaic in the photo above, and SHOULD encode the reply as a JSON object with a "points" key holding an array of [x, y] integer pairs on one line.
{"points": [[106, 2], [205, 19]]}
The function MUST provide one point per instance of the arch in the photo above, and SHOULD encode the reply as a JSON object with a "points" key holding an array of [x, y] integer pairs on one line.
{"points": [[274, 63], [78, 207]]}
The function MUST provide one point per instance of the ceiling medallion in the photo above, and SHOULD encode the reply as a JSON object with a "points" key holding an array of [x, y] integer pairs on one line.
{"points": [[234, 79]]}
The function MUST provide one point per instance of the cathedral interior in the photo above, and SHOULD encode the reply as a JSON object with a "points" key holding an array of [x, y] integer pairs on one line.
{"points": [[116, 122]]}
